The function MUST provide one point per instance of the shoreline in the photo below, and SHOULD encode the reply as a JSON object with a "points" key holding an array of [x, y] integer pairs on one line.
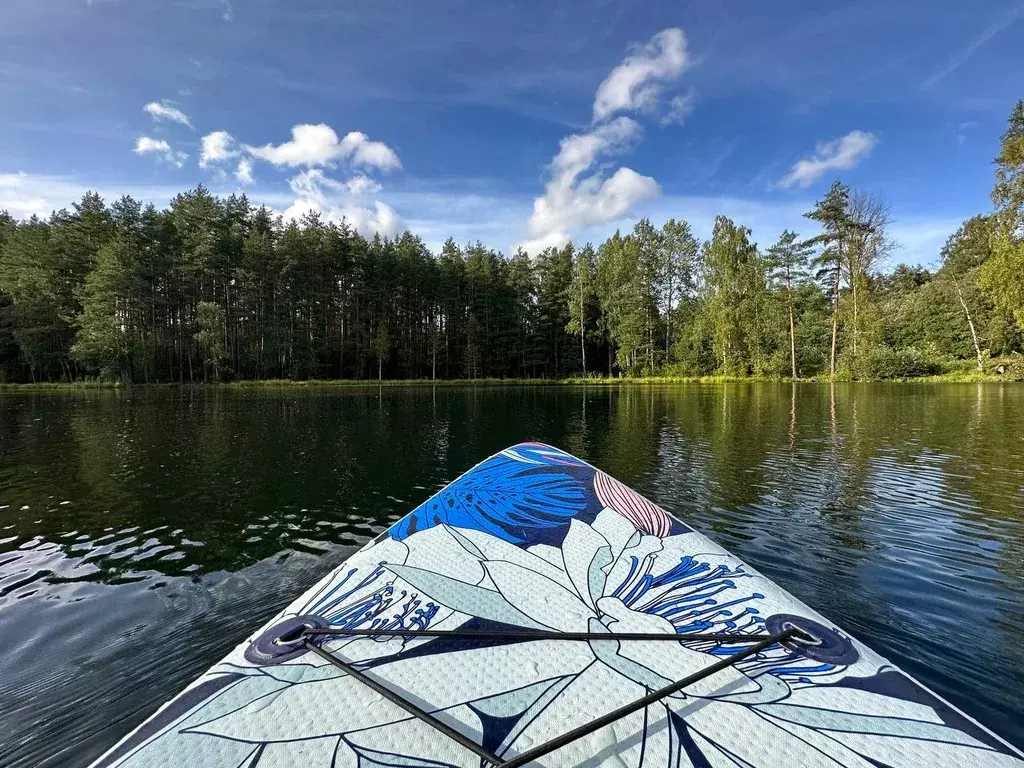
{"points": [[113, 384]]}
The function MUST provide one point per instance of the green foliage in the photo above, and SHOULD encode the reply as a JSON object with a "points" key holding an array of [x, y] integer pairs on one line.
{"points": [[583, 299], [886, 363], [786, 263], [210, 319], [555, 291], [42, 265], [813, 329], [680, 269], [212, 289], [1008, 368], [968, 248], [1002, 275], [625, 298], [832, 213], [1008, 192], [102, 342], [744, 324]]}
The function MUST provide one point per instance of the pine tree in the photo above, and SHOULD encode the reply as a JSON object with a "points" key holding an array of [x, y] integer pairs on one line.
{"points": [[650, 276], [832, 213], [211, 322], [103, 340], [787, 262], [583, 276], [554, 282]]}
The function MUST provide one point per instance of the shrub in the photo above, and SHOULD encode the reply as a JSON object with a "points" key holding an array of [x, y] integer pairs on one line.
{"points": [[888, 363], [1008, 368]]}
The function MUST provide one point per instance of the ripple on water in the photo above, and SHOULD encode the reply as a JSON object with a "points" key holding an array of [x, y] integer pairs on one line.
{"points": [[898, 512]]}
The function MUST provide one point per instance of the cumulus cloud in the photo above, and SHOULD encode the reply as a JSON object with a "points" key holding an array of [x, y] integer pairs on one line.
{"points": [[163, 110], [636, 85], [838, 155], [146, 145], [339, 200], [25, 194], [243, 172], [580, 193], [319, 146], [361, 185], [316, 147], [572, 201], [20, 198], [215, 147]]}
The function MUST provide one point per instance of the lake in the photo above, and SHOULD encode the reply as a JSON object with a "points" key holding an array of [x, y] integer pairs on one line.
{"points": [[144, 534]]}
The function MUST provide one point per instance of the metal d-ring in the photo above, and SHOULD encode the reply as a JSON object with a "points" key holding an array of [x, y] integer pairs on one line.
{"points": [[295, 636]]}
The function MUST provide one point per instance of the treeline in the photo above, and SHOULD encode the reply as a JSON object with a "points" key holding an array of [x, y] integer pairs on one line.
{"points": [[213, 289]]}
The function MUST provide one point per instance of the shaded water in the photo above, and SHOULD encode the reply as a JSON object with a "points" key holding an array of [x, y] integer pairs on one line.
{"points": [[143, 535]]}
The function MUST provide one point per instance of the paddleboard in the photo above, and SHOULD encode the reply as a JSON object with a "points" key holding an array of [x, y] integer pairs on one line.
{"points": [[463, 606]]}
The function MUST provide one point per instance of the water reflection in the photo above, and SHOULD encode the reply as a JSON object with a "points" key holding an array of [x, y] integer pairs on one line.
{"points": [[161, 526]]}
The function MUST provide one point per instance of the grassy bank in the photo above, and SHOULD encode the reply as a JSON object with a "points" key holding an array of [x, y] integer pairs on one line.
{"points": [[954, 377], [61, 386]]}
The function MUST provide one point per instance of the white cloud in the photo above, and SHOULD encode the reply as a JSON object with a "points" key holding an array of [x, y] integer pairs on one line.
{"points": [[571, 202], [318, 145], [310, 185], [496, 218], [361, 185], [243, 172], [337, 200], [21, 206], [638, 82], [370, 154], [839, 155], [146, 145], [679, 108], [580, 193], [162, 110], [382, 219], [216, 146], [227, 11], [26, 194]]}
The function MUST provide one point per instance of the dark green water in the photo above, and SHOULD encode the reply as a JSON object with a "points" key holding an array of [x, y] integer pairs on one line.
{"points": [[143, 535]]}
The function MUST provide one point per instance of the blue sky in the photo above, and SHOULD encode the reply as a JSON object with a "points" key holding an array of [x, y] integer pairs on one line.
{"points": [[515, 123]]}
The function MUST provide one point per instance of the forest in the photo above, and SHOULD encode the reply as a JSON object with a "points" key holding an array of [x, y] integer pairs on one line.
{"points": [[215, 289]]}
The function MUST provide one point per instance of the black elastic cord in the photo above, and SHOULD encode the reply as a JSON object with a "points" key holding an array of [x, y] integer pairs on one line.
{"points": [[628, 709], [408, 706], [567, 738], [530, 634]]}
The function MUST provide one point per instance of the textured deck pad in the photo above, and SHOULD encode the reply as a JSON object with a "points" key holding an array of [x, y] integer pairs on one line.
{"points": [[535, 538]]}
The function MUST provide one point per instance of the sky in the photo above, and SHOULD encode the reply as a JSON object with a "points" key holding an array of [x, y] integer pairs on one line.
{"points": [[515, 123]]}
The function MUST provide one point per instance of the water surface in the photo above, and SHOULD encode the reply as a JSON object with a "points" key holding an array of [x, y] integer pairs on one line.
{"points": [[145, 534]]}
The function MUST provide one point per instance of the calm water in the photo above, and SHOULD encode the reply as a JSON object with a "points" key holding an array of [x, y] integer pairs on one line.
{"points": [[143, 535]]}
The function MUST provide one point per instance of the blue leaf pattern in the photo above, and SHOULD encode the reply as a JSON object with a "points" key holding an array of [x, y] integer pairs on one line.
{"points": [[513, 499]]}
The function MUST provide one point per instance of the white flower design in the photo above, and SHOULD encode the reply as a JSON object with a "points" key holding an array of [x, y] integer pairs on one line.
{"points": [[776, 708]]}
